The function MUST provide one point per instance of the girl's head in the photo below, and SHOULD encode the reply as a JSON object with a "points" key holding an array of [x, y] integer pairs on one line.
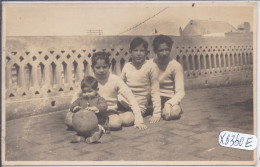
{"points": [[162, 46], [138, 50], [100, 64], [89, 86]]}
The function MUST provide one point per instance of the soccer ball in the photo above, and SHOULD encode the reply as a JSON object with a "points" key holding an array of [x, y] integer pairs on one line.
{"points": [[84, 122], [68, 119]]}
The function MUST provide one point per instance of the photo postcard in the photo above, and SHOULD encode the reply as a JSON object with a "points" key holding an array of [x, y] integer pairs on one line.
{"points": [[129, 83]]}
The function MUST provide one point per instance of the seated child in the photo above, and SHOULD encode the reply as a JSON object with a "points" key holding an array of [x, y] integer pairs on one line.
{"points": [[171, 78], [90, 100], [142, 77], [110, 87]]}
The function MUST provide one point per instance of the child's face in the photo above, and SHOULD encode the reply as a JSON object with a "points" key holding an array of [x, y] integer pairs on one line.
{"points": [[101, 69], [89, 92], [163, 51], [138, 55]]}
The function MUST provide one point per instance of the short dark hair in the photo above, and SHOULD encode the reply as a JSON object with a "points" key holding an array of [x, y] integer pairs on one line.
{"points": [[137, 41], [100, 55], [161, 39], [89, 81]]}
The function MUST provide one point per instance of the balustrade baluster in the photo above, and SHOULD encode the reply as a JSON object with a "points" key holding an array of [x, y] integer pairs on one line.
{"points": [[69, 73], [193, 63], [204, 62], [224, 59], [241, 61], [58, 74], [229, 61], [199, 64], [210, 62], [34, 76], [219, 61], [21, 76], [181, 61], [233, 60], [80, 71], [188, 63], [215, 62], [246, 59], [47, 74], [8, 77]]}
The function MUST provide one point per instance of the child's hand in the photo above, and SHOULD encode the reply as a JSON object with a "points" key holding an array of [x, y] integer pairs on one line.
{"points": [[154, 119], [93, 108], [141, 126], [165, 112], [76, 109]]}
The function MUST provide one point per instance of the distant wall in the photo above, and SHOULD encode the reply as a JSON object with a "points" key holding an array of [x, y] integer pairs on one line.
{"points": [[42, 73]]}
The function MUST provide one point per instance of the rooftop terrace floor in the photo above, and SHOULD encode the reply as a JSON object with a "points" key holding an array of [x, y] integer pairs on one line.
{"points": [[194, 137]]}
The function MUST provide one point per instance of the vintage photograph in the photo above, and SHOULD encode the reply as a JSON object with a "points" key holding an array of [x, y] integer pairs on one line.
{"points": [[128, 83]]}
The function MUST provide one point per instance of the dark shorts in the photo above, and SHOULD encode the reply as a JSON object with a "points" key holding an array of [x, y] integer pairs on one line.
{"points": [[102, 118], [163, 100]]}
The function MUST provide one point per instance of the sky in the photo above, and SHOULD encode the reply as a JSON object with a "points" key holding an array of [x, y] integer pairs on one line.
{"points": [[69, 19]]}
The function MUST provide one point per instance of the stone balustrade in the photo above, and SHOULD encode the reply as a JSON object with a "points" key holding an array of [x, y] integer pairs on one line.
{"points": [[44, 80]]}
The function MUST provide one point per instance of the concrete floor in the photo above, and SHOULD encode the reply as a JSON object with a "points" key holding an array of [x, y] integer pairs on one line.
{"points": [[194, 137]]}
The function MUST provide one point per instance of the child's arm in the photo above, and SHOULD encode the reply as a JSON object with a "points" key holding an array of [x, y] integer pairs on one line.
{"points": [[123, 74], [75, 106], [101, 105], [179, 85], [155, 93], [126, 92]]}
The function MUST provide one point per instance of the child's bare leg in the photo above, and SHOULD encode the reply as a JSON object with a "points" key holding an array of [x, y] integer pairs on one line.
{"points": [[96, 135], [171, 112], [127, 118], [114, 122], [68, 119]]}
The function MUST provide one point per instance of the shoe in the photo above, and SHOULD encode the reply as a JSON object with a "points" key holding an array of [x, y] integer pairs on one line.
{"points": [[94, 138], [77, 139], [106, 129]]}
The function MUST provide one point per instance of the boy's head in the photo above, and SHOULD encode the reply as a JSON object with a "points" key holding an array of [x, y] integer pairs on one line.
{"points": [[137, 42], [138, 50], [161, 39], [162, 46], [89, 86]]}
